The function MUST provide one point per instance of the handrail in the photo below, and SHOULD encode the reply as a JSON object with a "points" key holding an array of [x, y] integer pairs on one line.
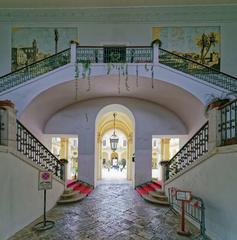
{"points": [[33, 70], [203, 65], [196, 147], [199, 70], [34, 63], [30, 146]]}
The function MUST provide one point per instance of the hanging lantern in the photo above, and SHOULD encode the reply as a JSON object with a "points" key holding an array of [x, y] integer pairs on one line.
{"points": [[114, 138]]}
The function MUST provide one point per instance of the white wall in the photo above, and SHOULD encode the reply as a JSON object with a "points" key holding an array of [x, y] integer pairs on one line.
{"points": [[79, 119], [20, 201], [214, 180]]}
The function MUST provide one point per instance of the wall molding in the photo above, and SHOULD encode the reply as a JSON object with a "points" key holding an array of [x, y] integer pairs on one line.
{"points": [[198, 14]]}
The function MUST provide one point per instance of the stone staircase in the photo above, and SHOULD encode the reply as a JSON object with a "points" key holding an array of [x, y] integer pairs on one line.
{"points": [[75, 192], [152, 193]]}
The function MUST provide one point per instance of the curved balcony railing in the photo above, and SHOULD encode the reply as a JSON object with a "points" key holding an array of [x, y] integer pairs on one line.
{"points": [[198, 70], [196, 147], [114, 54], [34, 150], [34, 70]]}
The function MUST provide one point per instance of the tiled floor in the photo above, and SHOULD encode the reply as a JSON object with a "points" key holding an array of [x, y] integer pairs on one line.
{"points": [[112, 211]]}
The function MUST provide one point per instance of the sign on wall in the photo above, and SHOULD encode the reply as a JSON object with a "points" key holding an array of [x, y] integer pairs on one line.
{"points": [[33, 44], [201, 44], [45, 180]]}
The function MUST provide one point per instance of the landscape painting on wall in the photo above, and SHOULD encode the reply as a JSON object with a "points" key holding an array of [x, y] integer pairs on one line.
{"points": [[201, 44], [33, 44]]}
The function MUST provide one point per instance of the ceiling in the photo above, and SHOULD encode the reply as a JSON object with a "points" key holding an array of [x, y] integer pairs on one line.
{"points": [[175, 99], [106, 3]]}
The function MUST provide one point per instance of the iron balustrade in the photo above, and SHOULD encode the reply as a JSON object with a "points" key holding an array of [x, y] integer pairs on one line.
{"points": [[228, 123], [33, 149], [198, 70], [196, 147], [33, 70], [195, 210], [114, 54]]}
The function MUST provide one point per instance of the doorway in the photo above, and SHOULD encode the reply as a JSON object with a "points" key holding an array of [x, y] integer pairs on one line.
{"points": [[114, 163]]}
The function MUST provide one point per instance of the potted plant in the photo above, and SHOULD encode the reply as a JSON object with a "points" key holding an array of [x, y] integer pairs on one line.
{"points": [[216, 101], [156, 41]]}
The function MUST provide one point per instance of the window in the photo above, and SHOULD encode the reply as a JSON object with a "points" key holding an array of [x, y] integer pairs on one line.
{"points": [[104, 142], [124, 143]]}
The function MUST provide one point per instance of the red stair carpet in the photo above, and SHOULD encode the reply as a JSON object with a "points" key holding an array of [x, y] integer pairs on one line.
{"points": [[79, 186], [148, 187]]}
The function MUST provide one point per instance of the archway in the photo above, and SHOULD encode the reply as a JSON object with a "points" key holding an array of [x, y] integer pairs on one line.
{"points": [[125, 123], [114, 163]]}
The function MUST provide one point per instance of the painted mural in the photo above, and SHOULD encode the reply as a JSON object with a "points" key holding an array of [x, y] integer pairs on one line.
{"points": [[201, 44], [33, 44]]}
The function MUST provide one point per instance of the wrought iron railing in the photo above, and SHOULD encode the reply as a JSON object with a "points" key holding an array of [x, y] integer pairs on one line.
{"points": [[198, 70], [195, 210], [228, 123], [33, 70], [114, 54], [196, 147], [33, 149]]}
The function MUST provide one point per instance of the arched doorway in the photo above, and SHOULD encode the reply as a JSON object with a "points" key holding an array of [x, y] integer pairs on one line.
{"points": [[114, 163], [125, 124]]}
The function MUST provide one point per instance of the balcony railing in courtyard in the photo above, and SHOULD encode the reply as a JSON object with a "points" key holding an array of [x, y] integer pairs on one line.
{"points": [[115, 54]]}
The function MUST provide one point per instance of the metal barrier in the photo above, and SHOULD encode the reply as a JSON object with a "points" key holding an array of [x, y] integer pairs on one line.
{"points": [[195, 210]]}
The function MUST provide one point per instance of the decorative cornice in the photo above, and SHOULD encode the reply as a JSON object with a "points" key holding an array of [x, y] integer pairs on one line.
{"points": [[160, 15]]}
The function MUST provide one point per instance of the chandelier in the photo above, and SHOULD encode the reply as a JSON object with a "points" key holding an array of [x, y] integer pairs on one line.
{"points": [[114, 138]]}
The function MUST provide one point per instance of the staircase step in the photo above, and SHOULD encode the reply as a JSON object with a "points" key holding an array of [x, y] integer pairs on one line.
{"points": [[69, 195], [151, 199], [159, 195], [76, 198]]}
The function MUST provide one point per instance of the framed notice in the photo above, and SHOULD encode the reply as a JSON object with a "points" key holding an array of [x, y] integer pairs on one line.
{"points": [[183, 196], [45, 180]]}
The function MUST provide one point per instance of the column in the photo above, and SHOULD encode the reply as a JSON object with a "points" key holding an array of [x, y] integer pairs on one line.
{"points": [[214, 137], [129, 157], [99, 156], [73, 51], [155, 47], [165, 157]]}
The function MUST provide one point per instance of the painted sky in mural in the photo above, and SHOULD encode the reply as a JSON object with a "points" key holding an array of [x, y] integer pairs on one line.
{"points": [[201, 44], [33, 44]]}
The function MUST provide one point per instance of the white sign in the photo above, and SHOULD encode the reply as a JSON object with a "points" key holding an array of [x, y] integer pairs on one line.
{"points": [[45, 180], [183, 195]]}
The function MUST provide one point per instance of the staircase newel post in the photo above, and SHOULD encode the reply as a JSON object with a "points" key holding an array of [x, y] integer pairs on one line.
{"points": [[73, 51], [164, 172], [8, 124], [155, 56], [214, 137]]}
